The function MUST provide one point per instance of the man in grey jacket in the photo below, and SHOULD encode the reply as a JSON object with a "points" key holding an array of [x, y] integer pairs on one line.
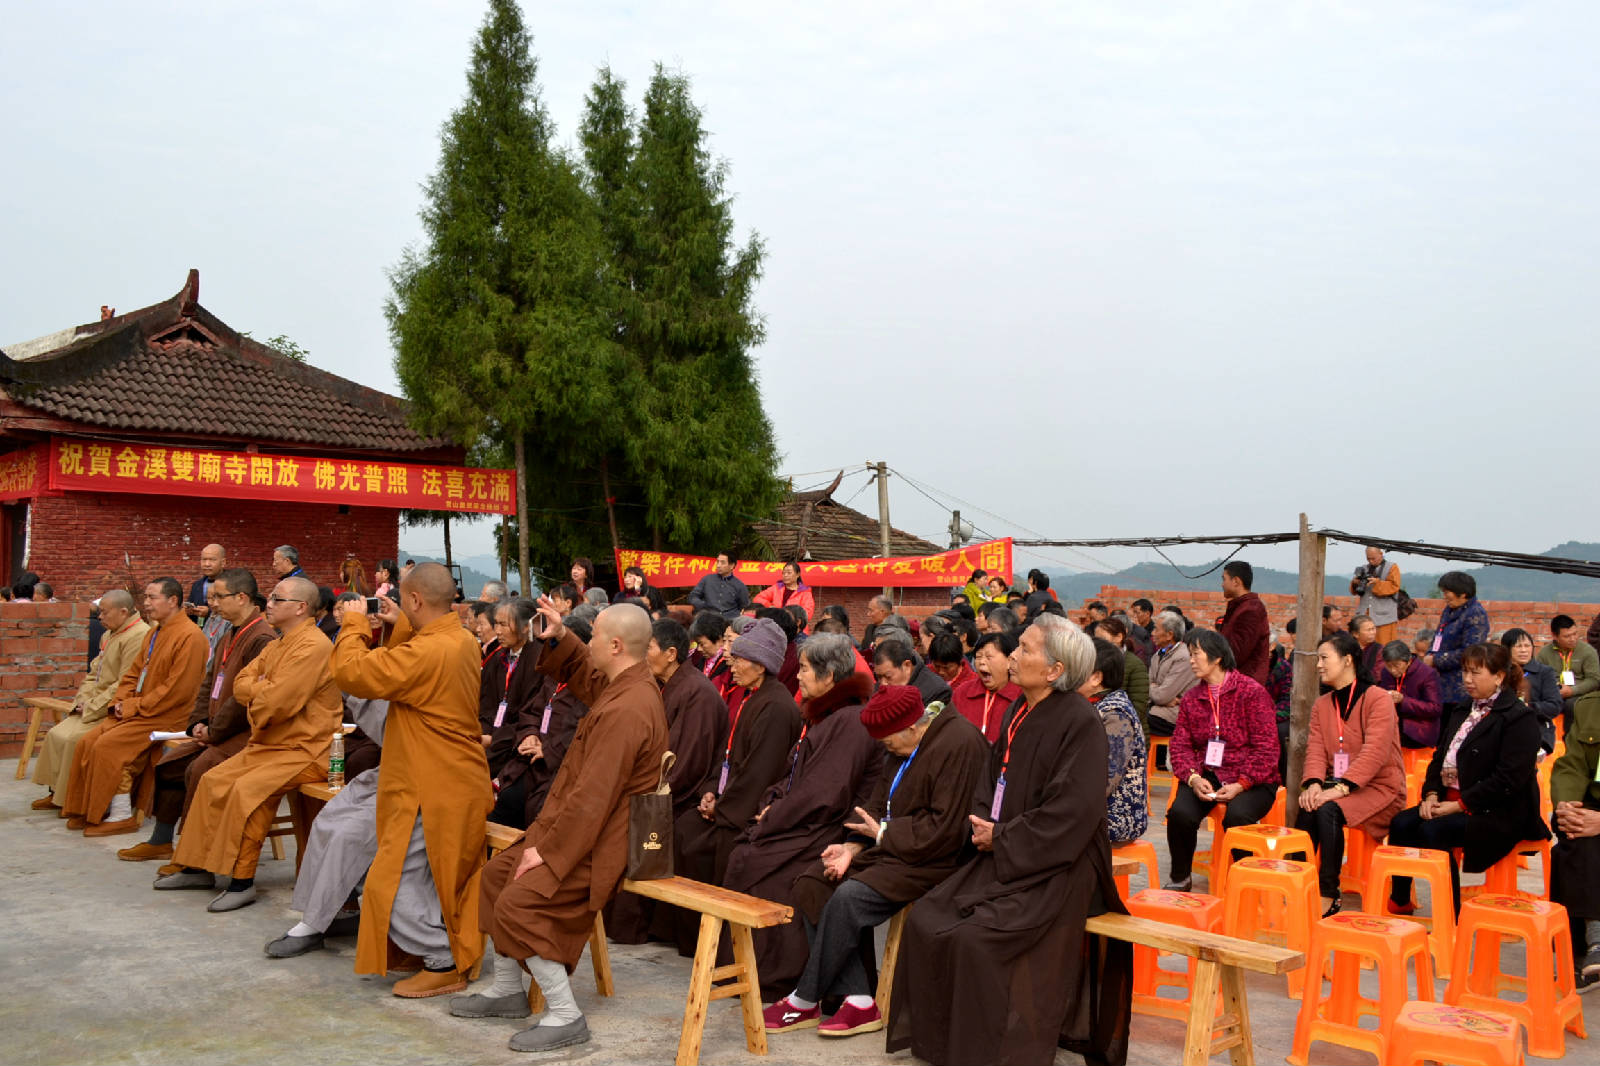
{"points": [[1170, 674], [720, 591]]}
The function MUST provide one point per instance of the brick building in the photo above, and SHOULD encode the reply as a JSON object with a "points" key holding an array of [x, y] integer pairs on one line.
{"points": [[136, 392]]}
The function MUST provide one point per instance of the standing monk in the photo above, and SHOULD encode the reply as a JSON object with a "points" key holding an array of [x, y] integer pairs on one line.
{"points": [[156, 693], [124, 630], [294, 709], [433, 795], [541, 894]]}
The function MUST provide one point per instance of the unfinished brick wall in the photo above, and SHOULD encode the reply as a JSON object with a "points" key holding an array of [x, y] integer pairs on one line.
{"points": [[44, 651]]}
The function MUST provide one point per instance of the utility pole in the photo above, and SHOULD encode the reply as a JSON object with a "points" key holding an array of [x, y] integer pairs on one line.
{"points": [[882, 469], [955, 530], [1307, 636]]}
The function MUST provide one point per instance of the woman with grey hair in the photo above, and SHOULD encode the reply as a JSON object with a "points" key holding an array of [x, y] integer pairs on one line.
{"points": [[1170, 676], [1013, 917]]}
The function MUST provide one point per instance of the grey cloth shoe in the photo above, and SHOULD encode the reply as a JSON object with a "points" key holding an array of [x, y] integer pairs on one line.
{"points": [[287, 947], [186, 879], [476, 1006], [550, 1037], [232, 901]]}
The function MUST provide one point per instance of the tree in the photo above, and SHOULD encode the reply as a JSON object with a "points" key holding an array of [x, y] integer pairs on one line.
{"points": [[701, 460], [501, 319]]}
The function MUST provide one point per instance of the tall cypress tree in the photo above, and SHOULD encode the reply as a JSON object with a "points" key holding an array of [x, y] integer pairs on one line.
{"points": [[501, 322]]}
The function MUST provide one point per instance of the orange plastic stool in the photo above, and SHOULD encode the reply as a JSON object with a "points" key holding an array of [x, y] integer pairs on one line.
{"points": [[1389, 862], [1551, 1007], [1417, 760], [1150, 772], [1192, 910], [1292, 886], [1144, 853], [1501, 878], [1414, 787], [1358, 848], [1263, 841], [1350, 938], [1209, 863], [1278, 813], [1436, 1032]]}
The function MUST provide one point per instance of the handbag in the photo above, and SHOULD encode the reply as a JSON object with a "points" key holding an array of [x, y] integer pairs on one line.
{"points": [[650, 829], [1404, 605]]}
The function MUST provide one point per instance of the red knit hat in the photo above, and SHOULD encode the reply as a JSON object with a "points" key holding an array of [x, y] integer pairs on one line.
{"points": [[891, 709]]}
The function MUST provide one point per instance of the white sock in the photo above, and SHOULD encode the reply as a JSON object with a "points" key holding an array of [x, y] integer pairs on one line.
{"points": [[121, 808], [507, 978], [801, 1004], [302, 929], [860, 1002], [561, 1007]]}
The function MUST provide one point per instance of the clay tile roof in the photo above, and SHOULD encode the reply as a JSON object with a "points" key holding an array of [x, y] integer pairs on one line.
{"points": [[174, 367], [814, 523]]}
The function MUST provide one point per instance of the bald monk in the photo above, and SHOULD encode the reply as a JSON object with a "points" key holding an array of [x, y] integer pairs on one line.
{"points": [[156, 693], [541, 894], [124, 630], [294, 709], [213, 560], [433, 794]]}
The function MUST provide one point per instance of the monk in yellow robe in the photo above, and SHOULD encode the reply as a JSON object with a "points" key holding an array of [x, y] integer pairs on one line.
{"points": [[156, 693], [294, 709], [124, 630], [433, 795]]}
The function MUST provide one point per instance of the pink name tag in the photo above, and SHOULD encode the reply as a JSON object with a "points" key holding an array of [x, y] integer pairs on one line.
{"points": [[500, 714], [1214, 751], [999, 797], [722, 782], [1341, 764], [216, 688], [544, 723], [1438, 639]]}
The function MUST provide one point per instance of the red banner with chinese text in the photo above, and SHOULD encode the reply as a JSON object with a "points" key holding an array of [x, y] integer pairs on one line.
{"points": [[22, 473], [668, 570], [110, 466]]}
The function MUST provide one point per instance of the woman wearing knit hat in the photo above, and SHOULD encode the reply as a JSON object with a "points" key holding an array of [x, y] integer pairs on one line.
{"points": [[907, 838], [832, 769]]}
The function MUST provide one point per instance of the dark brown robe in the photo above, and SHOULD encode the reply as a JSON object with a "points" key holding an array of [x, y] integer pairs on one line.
{"points": [[582, 830], [995, 966], [833, 769]]}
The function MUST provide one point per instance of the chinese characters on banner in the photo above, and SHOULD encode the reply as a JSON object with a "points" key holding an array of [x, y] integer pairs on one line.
{"points": [[667, 570], [111, 466], [20, 472]]}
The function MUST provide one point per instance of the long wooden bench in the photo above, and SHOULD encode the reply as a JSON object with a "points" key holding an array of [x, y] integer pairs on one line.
{"points": [[34, 737]]}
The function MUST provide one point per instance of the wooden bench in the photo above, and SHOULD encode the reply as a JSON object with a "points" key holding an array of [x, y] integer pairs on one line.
{"points": [[33, 739]]}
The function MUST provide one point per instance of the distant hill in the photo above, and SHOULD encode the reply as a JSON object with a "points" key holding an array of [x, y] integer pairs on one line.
{"points": [[471, 579], [1494, 582]]}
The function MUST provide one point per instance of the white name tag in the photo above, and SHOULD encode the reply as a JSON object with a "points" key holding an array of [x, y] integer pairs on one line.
{"points": [[1341, 764], [999, 798], [544, 723], [1214, 751], [722, 782], [1568, 678]]}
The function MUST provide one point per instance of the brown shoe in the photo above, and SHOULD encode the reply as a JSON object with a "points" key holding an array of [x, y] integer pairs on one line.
{"points": [[111, 829], [427, 983], [46, 802], [403, 961], [76, 821], [145, 851], [169, 868]]}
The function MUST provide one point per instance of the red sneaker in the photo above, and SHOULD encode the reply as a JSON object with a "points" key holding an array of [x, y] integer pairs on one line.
{"points": [[849, 1021], [783, 1016]]}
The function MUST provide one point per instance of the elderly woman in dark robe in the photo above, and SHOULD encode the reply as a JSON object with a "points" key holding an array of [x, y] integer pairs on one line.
{"points": [[994, 964], [908, 838], [832, 769]]}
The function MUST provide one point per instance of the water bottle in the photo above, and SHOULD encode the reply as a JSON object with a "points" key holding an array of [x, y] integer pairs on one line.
{"points": [[336, 761]]}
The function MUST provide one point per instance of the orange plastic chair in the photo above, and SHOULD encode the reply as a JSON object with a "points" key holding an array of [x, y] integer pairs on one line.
{"points": [[1414, 787], [1150, 772], [1501, 878], [1209, 862], [1417, 760], [1292, 887], [1389, 862], [1350, 938], [1358, 848], [1436, 1032], [1192, 910], [1264, 841], [1550, 1008], [1144, 853]]}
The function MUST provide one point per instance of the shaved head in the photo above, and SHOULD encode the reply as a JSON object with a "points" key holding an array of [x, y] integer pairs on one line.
{"points": [[297, 588], [432, 583], [627, 623], [117, 599]]}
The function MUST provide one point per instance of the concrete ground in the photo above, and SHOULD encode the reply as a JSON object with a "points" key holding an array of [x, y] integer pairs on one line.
{"points": [[100, 969]]}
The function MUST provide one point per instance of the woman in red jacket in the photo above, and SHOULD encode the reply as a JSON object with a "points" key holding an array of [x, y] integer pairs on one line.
{"points": [[790, 590]]}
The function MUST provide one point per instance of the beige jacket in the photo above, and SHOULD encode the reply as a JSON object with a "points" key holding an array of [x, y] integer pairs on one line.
{"points": [[117, 650]]}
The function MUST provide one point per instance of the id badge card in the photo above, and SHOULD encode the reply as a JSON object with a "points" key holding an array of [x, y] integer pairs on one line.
{"points": [[216, 688], [1568, 678], [1438, 640], [500, 714], [544, 725], [1341, 763], [999, 798], [722, 781], [140, 686], [1214, 751]]}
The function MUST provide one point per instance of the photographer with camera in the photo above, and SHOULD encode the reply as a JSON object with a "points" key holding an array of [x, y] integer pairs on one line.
{"points": [[1378, 585]]}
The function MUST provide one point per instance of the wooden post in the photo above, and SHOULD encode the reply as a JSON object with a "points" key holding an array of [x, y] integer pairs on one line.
{"points": [[520, 449], [502, 549], [883, 515], [1308, 634]]}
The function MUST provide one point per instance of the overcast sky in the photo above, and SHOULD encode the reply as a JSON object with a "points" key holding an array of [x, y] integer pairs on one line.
{"points": [[1100, 269]]}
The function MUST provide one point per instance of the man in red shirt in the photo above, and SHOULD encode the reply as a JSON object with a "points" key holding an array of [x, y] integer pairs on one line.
{"points": [[1245, 623]]}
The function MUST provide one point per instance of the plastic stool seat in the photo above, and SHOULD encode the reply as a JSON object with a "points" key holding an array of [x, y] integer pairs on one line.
{"points": [[1551, 1007], [1262, 840], [1291, 885], [1501, 878], [1436, 1032], [1144, 853], [1422, 864], [1350, 938], [1191, 910]]}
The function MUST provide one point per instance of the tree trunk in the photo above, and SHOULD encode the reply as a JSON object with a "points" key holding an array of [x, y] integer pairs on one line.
{"points": [[611, 509], [522, 514], [502, 546], [449, 560]]}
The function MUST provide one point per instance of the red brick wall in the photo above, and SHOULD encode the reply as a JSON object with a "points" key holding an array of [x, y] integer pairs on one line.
{"points": [[1205, 606], [913, 603], [44, 651], [84, 544]]}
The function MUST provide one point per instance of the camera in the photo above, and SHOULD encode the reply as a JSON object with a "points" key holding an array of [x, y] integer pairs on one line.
{"points": [[372, 605]]}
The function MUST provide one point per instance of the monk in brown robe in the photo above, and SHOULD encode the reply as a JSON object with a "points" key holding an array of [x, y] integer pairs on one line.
{"points": [[541, 894], [124, 632], [433, 793], [995, 965], [294, 709], [832, 770], [218, 723], [156, 693], [697, 730]]}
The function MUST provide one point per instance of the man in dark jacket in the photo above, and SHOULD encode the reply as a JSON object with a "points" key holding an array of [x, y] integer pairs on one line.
{"points": [[894, 663], [1245, 623], [720, 591]]}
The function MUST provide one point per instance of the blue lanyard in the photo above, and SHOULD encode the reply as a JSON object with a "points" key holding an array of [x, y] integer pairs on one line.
{"points": [[888, 805]]}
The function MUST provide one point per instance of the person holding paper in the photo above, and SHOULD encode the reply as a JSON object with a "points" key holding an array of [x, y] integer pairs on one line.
{"points": [[294, 708], [156, 692], [1354, 774]]}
